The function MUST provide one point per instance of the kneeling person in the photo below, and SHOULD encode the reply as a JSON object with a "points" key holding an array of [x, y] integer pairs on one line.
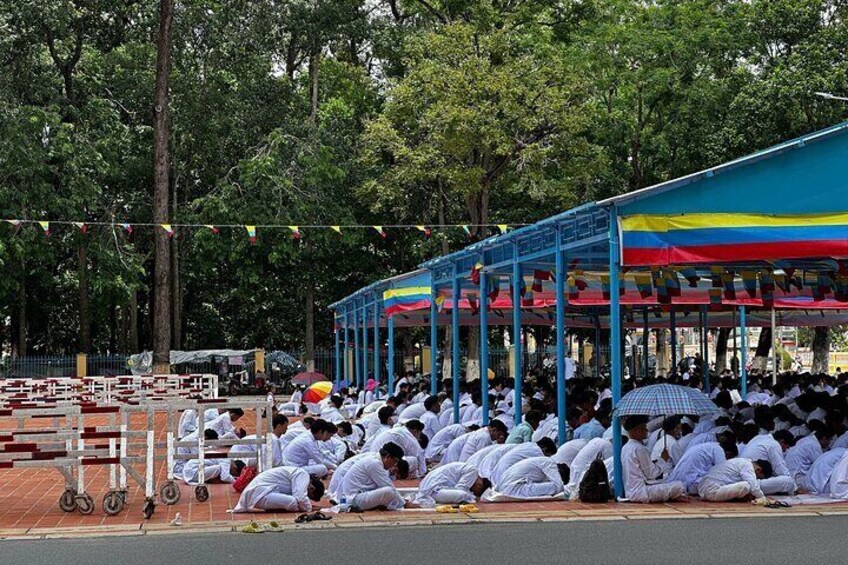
{"points": [[368, 484], [284, 489]]}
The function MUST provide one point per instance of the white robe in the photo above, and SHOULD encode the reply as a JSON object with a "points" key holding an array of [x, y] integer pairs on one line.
{"points": [[735, 478], [431, 424], [766, 447], [339, 474], [412, 451], [801, 457], [486, 459], [367, 484], [289, 481], [509, 458], [838, 484], [440, 442], [223, 424], [411, 412], [637, 469], [817, 480], [536, 477], [305, 452], [598, 448], [696, 463], [447, 484], [248, 452], [214, 469], [568, 451]]}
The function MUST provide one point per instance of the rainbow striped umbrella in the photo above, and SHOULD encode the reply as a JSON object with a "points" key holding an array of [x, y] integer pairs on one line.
{"points": [[317, 392]]}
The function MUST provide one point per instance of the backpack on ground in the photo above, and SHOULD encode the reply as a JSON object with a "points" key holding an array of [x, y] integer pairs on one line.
{"points": [[595, 485]]}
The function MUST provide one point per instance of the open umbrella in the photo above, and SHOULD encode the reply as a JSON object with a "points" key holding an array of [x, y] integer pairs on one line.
{"points": [[665, 400], [308, 378], [317, 392]]}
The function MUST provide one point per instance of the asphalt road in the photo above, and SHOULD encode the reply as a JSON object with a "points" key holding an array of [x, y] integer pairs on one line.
{"points": [[755, 541]]}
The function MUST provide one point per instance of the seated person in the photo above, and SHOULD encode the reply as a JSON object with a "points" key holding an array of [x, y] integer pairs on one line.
{"points": [[281, 489], [639, 471], [735, 479]]}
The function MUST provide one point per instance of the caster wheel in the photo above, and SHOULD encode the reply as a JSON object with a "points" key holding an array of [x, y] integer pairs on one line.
{"points": [[148, 509], [113, 503], [68, 501], [201, 493], [85, 504], [170, 493]]}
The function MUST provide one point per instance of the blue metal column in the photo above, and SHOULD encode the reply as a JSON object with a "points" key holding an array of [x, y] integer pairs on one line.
{"points": [[357, 367], [516, 331], [376, 339], [346, 345], [743, 362], [597, 345], [706, 355], [645, 335], [337, 328], [434, 341], [364, 343], [672, 323], [560, 338], [391, 360], [615, 348], [484, 344], [455, 295]]}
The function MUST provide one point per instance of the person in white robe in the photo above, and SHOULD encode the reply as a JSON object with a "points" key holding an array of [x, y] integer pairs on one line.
{"points": [[406, 437], [192, 449], [467, 445], [411, 412], [368, 484], [537, 477], [188, 423], [638, 471], [332, 412], [544, 448], [567, 452], [340, 472], [305, 452], [248, 451], [837, 486], [224, 424], [486, 459], [598, 448], [737, 478], [817, 480], [801, 456], [454, 483], [771, 447], [215, 470], [697, 462], [430, 417], [282, 489], [441, 440]]}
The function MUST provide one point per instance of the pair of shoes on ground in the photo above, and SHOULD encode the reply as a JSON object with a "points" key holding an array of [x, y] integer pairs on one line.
{"points": [[316, 516], [254, 528]]}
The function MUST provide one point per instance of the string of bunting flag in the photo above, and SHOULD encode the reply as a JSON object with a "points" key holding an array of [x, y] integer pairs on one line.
{"points": [[252, 230]]}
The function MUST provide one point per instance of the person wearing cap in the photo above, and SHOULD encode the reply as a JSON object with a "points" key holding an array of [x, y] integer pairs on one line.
{"points": [[638, 469], [368, 483]]}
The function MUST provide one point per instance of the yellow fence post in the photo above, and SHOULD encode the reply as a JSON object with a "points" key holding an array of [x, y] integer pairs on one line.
{"points": [[259, 356], [426, 360], [82, 365]]}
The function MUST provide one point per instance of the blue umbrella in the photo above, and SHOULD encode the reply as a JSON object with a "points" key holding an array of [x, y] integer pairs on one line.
{"points": [[665, 400]]}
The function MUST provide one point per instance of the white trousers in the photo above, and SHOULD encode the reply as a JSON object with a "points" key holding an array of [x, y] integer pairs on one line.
{"points": [[453, 496], [278, 501], [778, 485], [530, 490], [717, 492], [659, 493], [385, 496], [316, 470]]}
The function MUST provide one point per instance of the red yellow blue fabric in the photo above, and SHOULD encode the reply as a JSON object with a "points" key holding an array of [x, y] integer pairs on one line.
{"points": [[665, 239]]}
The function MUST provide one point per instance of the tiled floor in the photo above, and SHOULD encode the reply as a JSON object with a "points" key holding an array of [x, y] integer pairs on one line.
{"points": [[29, 506]]}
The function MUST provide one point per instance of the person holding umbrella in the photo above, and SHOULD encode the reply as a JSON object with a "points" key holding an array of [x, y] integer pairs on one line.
{"points": [[639, 472]]}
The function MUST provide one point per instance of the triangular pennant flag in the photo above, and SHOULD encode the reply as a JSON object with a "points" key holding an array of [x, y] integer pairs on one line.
{"points": [[168, 229], [715, 298], [475, 272], [380, 231], [691, 276], [46, 227], [295, 231], [644, 285], [749, 281], [503, 228], [467, 230], [425, 230], [15, 223], [82, 227], [728, 279], [440, 303], [213, 229], [337, 229], [494, 284], [127, 228], [473, 304], [251, 233]]}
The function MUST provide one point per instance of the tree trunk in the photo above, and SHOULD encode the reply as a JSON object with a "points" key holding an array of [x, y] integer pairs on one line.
{"points": [[84, 299], [161, 192], [22, 316], [721, 349], [314, 63], [176, 297], [662, 351], [763, 347], [309, 337], [447, 345], [821, 349]]}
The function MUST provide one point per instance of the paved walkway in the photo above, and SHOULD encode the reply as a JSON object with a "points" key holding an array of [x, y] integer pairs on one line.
{"points": [[29, 508]]}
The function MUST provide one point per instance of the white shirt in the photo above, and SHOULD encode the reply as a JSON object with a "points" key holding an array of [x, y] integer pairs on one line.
{"points": [[453, 476], [249, 452], [411, 412], [188, 423], [800, 457], [411, 448], [486, 459], [533, 470], [475, 441], [331, 414], [431, 424], [283, 480], [568, 451], [509, 458], [637, 468], [838, 484], [365, 475], [223, 425], [442, 439], [597, 448], [766, 447], [818, 478], [304, 450], [696, 463], [341, 471], [735, 470], [214, 469]]}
